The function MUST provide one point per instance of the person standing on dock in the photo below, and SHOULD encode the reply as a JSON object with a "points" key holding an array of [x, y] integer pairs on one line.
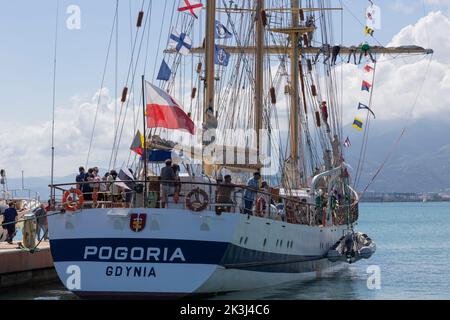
{"points": [[9, 218]]}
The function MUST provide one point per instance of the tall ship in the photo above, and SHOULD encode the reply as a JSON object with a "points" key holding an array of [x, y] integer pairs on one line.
{"points": [[248, 107]]}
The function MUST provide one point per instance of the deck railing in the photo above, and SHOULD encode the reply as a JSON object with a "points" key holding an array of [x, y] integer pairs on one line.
{"points": [[198, 197]]}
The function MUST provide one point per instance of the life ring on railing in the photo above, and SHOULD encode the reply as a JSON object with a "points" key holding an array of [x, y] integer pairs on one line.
{"points": [[193, 201], [73, 203], [261, 206]]}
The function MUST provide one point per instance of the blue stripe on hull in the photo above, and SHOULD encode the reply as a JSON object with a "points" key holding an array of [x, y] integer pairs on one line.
{"points": [[224, 254], [252, 260], [197, 252]]}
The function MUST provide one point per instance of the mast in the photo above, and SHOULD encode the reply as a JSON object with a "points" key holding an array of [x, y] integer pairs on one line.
{"points": [[145, 141], [259, 67], [210, 54], [294, 114], [52, 174]]}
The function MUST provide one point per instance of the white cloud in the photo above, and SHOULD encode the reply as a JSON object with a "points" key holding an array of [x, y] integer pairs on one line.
{"points": [[398, 80], [28, 148]]}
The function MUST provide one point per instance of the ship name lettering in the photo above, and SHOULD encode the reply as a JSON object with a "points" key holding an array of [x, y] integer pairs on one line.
{"points": [[133, 254], [136, 272]]}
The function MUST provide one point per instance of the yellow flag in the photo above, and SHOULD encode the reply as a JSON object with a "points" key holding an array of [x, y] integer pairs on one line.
{"points": [[368, 31]]}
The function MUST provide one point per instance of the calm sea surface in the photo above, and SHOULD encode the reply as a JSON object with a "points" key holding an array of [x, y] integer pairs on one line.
{"points": [[413, 254]]}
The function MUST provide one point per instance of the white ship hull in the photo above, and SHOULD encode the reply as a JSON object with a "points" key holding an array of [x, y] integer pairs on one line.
{"points": [[178, 252]]}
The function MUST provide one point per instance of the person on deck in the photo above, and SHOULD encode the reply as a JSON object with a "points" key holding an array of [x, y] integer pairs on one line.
{"points": [[250, 194], [9, 218], [89, 187], [167, 181], [114, 189], [177, 186], [129, 193], [265, 198], [224, 191], [81, 178]]}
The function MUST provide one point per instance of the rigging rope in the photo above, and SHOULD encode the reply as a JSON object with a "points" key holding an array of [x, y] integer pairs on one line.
{"points": [[116, 138], [397, 142], [101, 88], [363, 151], [132, 81]]}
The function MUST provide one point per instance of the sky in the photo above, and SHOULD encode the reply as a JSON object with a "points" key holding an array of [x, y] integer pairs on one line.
{"points": [[26, 72]]}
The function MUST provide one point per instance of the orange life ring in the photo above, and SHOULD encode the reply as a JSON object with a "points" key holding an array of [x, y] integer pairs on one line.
{"points": [[261, 206], [196, 204], [68, 201]]}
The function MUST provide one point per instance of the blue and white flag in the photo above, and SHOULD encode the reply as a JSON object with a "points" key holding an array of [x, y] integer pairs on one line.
{"points": [[164, 72], [222, 32], [222, 58], [364, 107], [181, 43]]}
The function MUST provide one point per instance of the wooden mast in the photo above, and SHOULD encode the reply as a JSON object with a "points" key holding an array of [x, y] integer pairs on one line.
{"points": [[210, 54], [295, 110], [259, 82]]}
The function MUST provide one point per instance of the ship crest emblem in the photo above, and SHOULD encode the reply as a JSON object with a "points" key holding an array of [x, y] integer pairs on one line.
{"points": [[137, 222]]}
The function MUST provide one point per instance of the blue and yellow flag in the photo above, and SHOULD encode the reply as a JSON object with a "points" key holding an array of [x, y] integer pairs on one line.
{"points": [[358, 124], [368, 31]]}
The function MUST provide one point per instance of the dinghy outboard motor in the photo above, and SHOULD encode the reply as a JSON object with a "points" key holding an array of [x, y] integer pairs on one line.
{"points": [[349, 247]]}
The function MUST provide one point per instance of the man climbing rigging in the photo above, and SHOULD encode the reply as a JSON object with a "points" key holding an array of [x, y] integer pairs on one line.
{"points": [[324, 111]]}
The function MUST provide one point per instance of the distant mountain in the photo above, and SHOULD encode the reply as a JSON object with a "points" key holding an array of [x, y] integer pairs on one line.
{"points": [[420, 162], [36, 185]]}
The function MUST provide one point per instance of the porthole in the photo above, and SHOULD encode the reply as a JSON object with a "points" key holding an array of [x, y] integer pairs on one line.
{"points": [[242, 239], [265, 242], [281, 243], [278, 241], [246, 240]]}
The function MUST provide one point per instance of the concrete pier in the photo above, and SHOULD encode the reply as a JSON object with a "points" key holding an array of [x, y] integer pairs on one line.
{"points": [[20, 267]]}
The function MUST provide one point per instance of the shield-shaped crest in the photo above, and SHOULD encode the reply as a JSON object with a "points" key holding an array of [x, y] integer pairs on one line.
{"points": [[137, 222]]}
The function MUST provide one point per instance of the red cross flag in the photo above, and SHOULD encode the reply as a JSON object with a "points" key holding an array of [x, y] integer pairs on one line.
{"points": [[192, 7]]}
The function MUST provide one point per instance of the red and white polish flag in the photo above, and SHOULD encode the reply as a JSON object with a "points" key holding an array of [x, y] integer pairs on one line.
{"points": [[164, 112]]}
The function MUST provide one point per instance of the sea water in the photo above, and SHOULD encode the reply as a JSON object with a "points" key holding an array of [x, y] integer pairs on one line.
{"points": [[412, 261]]}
